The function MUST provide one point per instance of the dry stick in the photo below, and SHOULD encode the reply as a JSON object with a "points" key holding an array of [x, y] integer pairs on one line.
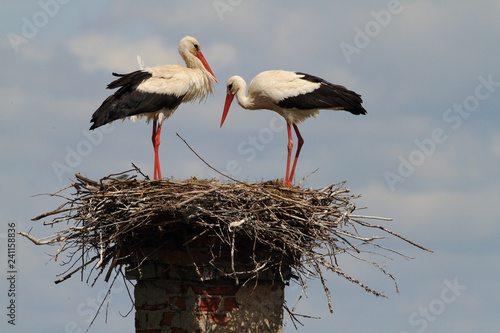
{"points": [[85, 179], [307, 176], [39, 241], [139, 171], [302, 292], [392, 233], [292, 316], [381, 269], [195, 237], [194, 198], [120, 173], [369, 217], [67, 276], [325, 288], [200, 276], [232, 259], [129, 294], [55, 211], [114, 262], [54, 194], [103, 300], [211, 167]]}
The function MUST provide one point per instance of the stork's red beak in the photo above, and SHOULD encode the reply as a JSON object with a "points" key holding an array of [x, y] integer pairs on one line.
{"points": [[229, 99], [200, 56]]}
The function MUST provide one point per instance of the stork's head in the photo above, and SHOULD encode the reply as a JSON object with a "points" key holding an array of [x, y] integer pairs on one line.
{"points": [[234, 84], [190, 50]]}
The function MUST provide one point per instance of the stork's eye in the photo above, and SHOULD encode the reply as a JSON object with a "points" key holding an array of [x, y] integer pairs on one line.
{"points": [[230, 86], [197, 47]]}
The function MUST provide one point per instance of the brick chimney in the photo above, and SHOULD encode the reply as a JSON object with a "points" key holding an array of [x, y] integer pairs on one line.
{"points": [[180, 292]]}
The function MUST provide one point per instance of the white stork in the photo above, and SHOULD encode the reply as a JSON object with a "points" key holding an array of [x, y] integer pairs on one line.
{"points": [[295, 96], [156, 92]]}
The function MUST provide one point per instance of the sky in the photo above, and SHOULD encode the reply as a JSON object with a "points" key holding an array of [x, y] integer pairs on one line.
{"points": [[427, 154]]}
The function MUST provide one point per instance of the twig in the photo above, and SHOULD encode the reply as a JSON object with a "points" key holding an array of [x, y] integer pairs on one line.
{"points": [[211, 167], [38, 241], [139, 171]]}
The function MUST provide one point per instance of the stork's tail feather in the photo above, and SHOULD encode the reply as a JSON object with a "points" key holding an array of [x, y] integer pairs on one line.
{"points": [[103, 114], [351, 101], [115, 107], [129, 80]]}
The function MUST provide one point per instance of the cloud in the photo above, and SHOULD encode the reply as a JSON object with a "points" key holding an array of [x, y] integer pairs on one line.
{"points": [[116, 53], [437, 214], [30, 51], [220, 56], [172, 17]]}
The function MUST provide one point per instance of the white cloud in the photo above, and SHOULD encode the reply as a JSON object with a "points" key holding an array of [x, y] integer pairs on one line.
{"points": [[197, 16], [118, 53], [29, 51], [437, 213], [220, 56]]}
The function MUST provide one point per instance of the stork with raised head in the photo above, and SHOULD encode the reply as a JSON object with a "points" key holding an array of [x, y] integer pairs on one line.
{"points": [[156, 92], [295, 96]]}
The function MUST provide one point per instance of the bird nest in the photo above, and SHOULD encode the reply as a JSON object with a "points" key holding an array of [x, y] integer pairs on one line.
{"points": [[118, 223]]}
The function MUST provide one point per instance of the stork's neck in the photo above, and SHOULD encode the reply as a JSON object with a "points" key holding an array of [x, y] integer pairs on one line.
{"points": [[244, 101], [191, 61]]}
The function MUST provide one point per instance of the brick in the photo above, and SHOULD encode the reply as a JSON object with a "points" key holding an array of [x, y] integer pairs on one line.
{"points": [[180, 303], [146, 319], [151, 295], [167, 319], [276, 286], [220, 319], [195, 289], [230, 303], [209, 304], [220, 290], [183, 306]]}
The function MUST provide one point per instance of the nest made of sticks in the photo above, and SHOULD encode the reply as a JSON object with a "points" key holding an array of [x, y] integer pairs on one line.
{"points": [[105, 225]]}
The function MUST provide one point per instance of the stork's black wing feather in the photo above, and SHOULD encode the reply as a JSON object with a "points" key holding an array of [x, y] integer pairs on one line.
{"points": [[128, 101], [327, 96]]}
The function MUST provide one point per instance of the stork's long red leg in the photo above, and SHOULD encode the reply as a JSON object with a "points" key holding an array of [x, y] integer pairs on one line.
{"points": [[153, 139], [156, 143], [300, 142], [158, 132], [288, 180]]}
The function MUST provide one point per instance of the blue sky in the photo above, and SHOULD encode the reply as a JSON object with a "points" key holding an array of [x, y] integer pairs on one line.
{"points": [[427, 154]]}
